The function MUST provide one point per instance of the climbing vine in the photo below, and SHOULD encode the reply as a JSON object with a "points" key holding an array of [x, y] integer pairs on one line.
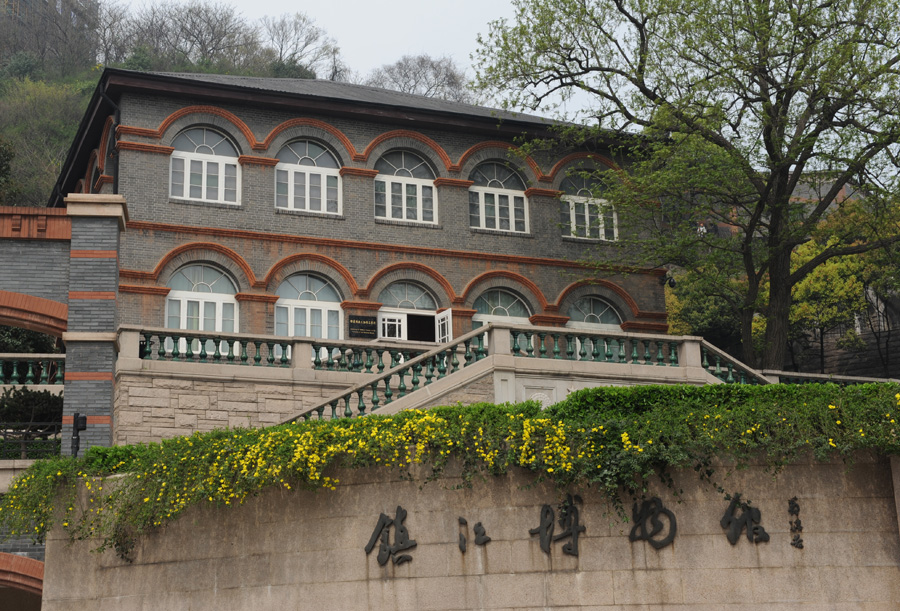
{"points": [[613, 439]]}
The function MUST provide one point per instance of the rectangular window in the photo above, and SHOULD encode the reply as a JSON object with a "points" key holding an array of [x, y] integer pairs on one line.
{"points": [[588, 218], [203, 178], [412, 199], [492, 209], [311, 191]]}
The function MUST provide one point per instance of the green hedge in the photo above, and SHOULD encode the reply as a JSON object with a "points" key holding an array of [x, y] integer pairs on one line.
{"points": [[612, 439]]}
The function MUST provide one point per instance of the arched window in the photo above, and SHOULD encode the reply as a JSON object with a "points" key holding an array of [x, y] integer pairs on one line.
{"points": [[497, 198], [308, 306], [201, 299], [581, 214], [409, 312], [204, 167], [592, 311], [404, 188], [307, 177]]}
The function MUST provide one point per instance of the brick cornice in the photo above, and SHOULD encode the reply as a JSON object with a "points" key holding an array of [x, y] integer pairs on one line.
{"points": [[453, 182], [463, 312], [360, 305], [34, 223], [136, 131], [258, 297], [348, 171], [355, 245], [143, 147], [144, 290], [254, 160], [535, 192]]}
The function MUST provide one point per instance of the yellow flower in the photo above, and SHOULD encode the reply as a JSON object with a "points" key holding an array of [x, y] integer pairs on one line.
{"points": [[832, 407]]}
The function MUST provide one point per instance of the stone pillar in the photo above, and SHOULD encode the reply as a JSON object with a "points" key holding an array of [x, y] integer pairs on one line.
{"points": [[91, 350]]}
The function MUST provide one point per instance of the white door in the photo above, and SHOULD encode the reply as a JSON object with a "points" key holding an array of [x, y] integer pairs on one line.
{"points": [[443, 326]]}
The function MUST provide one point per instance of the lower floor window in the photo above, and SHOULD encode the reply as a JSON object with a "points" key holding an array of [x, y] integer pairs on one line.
{"points": [[307, 321]]}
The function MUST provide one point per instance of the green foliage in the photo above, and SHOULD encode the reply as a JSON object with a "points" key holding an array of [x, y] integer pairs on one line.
{"points": [[753, 128], [25, 405], [21, 341], [614, 439]]}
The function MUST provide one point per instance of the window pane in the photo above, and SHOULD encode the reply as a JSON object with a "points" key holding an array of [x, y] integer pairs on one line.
{"points": [[193, 315], [412, 202], [281, 188], [300, 190], [315, 192], [427, 204], [228, 318], [519, 212], [173, 319], [490, 212], [281, 320], [334, 324], [380, 201], [474, 209], [580, 222], [315, 322], [196, 179], [396, 200], [300, 322], [332, 193], [230, 182], [212, 180], [209, 316], [503, 206], [177, 177]]}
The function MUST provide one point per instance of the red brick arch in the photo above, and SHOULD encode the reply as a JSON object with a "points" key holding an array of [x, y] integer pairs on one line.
{"points": [[425, 269], [517, 278], [35, 313], [405, 133], [327, 261], [235, 258], [604, 284], [21, 573]]}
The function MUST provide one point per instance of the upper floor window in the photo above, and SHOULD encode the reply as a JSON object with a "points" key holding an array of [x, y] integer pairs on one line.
{"points": [[201, 299], [497, 199], [581, 215], [592, 311], [307, 178], [308, 306], [404, 188], [204, 167]]}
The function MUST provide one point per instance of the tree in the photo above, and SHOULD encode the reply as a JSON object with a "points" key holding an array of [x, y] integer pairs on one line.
{"points": [[772, 110], [424, 75], [8, 188], [301, 47]]}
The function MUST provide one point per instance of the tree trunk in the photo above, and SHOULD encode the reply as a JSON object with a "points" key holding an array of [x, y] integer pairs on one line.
{"points": [[778, 319]]}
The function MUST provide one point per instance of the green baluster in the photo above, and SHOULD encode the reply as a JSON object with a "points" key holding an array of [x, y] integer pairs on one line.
{"points": [[468, 357], [284, 356], [570, 347], [317, 361], [609, 352], [442, 365], [189, 348], [401, 387], [203, 354], [217, 355], [369, 361], [718, 372], [595, 351], [542, 351], [582, 353], [705, 362], [45, 372], [2, 374], [14, 379], [342, 361], [395, 360], [361, 405], [621, 357], [320, 412], [60, 372], [634, 351], [357, 359], [380, 366], [148, 350], [660, 357], [429, 370], [416, 370], [334, 405], [556, 350], [514, 338], [729, 379], [270, 353], [257, 356], [743, 377], [673, 354], [388, 393], [161, 352], [375, 399], [230, 356], [480, 352], [348, 413], [29, 376], [648, 359], [175, 352], [306, 417], [454, 361], [329, 362]]}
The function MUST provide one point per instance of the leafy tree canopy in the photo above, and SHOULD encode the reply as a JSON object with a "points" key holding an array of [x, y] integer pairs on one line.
{"points": [[772, 122]]}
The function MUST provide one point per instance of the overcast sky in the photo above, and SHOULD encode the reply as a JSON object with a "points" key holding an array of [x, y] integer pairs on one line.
{"points": [[371, 34]]}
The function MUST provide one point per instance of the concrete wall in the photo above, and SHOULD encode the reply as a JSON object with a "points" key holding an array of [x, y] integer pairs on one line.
{"points": [[304, 550]]}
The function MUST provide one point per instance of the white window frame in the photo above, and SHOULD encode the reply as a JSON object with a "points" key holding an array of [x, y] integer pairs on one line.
{"points": [[218, 300], [588, 326], [595, 218], [404, 183], [483, 218], [392, 324], [325, 307], [186, 160], [291, 200]]}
